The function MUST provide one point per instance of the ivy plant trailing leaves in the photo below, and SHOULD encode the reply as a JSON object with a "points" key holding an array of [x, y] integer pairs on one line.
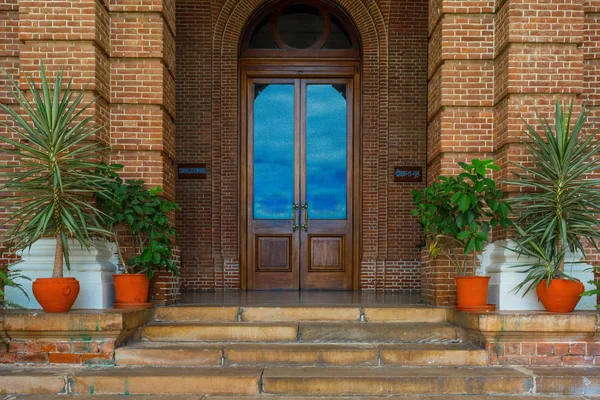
{"points": [[145, 215], [458, 212]]}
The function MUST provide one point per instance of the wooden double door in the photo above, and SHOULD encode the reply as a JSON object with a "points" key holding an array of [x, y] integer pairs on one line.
{"points": [[299, 194]]}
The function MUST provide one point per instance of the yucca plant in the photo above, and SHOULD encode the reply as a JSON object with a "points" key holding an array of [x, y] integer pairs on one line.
{"points": [[558, 211], [52, 181]]}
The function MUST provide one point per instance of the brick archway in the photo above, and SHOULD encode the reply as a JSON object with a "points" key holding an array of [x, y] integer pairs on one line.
{"points": [[229, 28]]}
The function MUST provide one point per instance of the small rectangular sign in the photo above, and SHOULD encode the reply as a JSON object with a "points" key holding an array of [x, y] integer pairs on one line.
{"points": [[408, 174], [191, 171]]}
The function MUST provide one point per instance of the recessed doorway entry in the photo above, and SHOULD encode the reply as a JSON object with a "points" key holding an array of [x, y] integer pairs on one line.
{"points": [[300, 63]]}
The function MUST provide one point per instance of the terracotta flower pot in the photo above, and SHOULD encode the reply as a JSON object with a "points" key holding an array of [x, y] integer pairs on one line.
{"points": [[131, 291], [56, 295], [472, 292], [561, 296]]}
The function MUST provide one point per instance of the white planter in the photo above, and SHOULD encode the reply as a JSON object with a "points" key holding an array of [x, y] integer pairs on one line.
{"points": [[497, 262], [92, 269]]}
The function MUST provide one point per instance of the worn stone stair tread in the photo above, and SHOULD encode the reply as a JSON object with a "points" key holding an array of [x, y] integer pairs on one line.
{"points": [[167, 380], [258, 354], [567, 380], [23, 380], [405, 314], [273, 397], [170, 353], [395, 381], [433, 354], [196, 313], [376, 332], [355, 354], [295, 313], [221, 331], [402, 397], [301, 354]]}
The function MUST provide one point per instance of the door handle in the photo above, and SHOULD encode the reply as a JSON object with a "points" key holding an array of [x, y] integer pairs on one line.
{"points": [[294, 217], [305, 224]]}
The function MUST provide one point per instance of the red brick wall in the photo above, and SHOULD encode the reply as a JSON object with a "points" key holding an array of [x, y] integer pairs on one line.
{"points": [[125, 50], [394, 37], [492, 63], [442, 81]]}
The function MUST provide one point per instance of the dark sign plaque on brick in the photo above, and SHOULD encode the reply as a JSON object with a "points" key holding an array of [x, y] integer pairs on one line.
{"points": [[191, 171], [408, 174]]}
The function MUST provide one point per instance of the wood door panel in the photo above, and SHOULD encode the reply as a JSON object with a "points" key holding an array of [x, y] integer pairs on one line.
{"points": [[325, 254], [273, 253], [310, 245], [327, 176]]}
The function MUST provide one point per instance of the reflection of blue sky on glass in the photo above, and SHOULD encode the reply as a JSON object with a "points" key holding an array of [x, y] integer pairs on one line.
{"points": [[274, 152], [325, 152]]}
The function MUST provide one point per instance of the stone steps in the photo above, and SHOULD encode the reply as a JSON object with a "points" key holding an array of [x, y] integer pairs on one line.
{"points": [[267, 397], [260, 354], [300, 314], [293, 381], [319, 332]]}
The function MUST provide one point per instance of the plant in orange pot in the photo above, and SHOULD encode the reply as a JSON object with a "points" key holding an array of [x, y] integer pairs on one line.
{"points": [[558, 213], [457, 214], [139, 217], [49, 179]]}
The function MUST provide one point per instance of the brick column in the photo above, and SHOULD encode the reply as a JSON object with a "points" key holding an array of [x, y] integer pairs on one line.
{"points": [[142, 97], [142, 111], [9, 58], [460, 114], [73, 36], [539, 60], [591, 69]]}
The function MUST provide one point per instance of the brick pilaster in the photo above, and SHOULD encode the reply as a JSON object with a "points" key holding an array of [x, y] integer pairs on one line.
{"points": [[460, 109], [142, 112], [539, 59]]}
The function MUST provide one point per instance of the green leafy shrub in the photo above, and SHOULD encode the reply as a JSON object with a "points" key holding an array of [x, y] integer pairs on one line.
{"points": [[593, 292], [9, 279], [145, 215], [458, 212]]}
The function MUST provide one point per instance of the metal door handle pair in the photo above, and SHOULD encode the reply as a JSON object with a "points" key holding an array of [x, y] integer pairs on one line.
{"points": [[305, 224], [304, 208]]}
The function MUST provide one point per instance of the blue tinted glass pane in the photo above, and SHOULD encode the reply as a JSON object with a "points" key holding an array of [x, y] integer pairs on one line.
{"points": [[273, 151], [326, 151]]}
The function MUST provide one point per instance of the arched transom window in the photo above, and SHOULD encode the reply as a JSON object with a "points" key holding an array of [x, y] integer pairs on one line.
{"points": [[300, 28]]}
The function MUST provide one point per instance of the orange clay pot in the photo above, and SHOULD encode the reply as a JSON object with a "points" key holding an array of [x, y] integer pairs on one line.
{"points": [[561, 296], [131, 290], [56, 295], [472, 292]]}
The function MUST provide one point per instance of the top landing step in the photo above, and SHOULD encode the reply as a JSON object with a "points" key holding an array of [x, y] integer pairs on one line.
{"points": [[298, 306], [299, 314], [243, 298]]}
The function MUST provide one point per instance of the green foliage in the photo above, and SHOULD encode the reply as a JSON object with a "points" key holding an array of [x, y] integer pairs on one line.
{"points": [[593, 292], [458, 212], [9, 279], [52, 189], [145, 215], [559, 210]]}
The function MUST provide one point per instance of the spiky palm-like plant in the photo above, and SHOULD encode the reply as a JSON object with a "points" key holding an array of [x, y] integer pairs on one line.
{"points": [[560, 209], [52, 183]]}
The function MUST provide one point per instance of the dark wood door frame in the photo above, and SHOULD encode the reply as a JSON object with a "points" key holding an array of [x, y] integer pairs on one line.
{"points": [[294, 69]]}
